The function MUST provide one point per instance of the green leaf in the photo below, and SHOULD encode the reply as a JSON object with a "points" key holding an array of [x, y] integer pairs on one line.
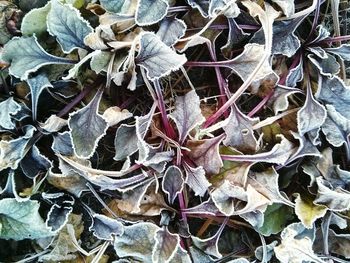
{"points": [[275, 218], [21, 220], [26, 56], [66, 24], [157, 58], [37, 85], [87, 127], [150, 11], [34, 22]]}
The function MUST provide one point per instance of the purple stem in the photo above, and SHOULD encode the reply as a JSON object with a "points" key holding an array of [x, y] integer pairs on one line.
{"points": [[168, 128], [221, 82], [314, 23], [336, 39], [282, 81]]}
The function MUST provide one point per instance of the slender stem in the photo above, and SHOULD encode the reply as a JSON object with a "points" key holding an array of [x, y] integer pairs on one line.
{"points": [[168, 128], [315, 21], [174, 9], [336, 39]]}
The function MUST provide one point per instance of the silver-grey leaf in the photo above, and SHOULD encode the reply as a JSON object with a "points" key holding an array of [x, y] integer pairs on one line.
{"points": [[173, 182], [195, 178], [187, 114], [34, 163], [66, 24], [166, 246], [312, 115], [21, 220], [105, 228], [87, 127], [13, 151], [239, 131], [295, 75], [157, 58], [26, 56], [137, 241], [333, 91], [150, 11], [336, 127], [37, 85], [342, 51], [171, 29], [125, 142], [8, 109]]}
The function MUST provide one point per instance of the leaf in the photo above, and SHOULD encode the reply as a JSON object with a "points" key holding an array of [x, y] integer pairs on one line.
{"points": [[87, 127], [312, 115], [114, 115], [71, 182], [150, 11], [157, 58], [99, 177], [187, 114], [125, 142], [296, 247], [339, 243], [105, 228], [63, 247], [327, 66], [336, 200], [53, 124], [336, 127], [235, 38], [201, 5], [26, 56], [62, 144], [287, 6], [137, 241], [279, 154], [307, 211], [171, 29], [229, 8], [37, 85], [333, 91], [295, 75], [269, 251], [205, 153], [21, 220], [244, 64], [8, 109], [209, 245], [280, 98], [120, 7], [276, 217], [266, 183], [34, 22], [166, 246], [342, 51], [239, 131], [59, 213], [34, 163], [13, 151], [65, 23], [285, 42], [196, 180], [172, 183]]}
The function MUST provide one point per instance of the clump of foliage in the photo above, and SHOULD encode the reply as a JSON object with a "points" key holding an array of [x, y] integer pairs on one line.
{"points": [[174, 131]]}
